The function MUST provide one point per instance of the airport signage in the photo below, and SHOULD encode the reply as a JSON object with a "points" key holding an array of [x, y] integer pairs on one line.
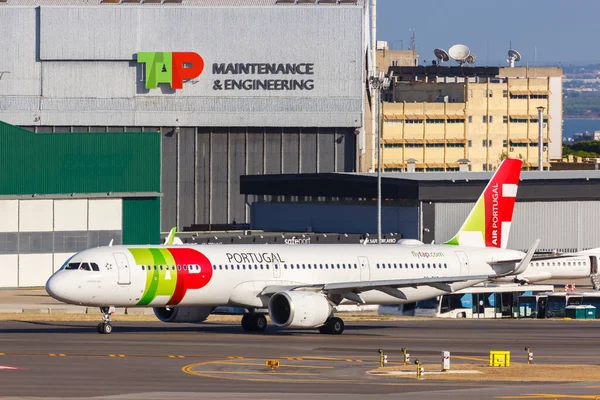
{"points": [[170, 67], [174, 68]]}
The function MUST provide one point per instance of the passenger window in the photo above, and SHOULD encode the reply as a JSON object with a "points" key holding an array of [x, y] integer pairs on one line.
{"points": [[184, 267], [179, 268], [95, 267], [261, 266], [220, 267], [160, 266], [143, 268]]}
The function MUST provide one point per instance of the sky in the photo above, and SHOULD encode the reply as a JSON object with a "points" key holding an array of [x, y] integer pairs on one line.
{"points": [[565, 31]]}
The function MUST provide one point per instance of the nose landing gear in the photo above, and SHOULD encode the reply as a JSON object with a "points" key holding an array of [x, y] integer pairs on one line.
{"points": [[105, 327]]}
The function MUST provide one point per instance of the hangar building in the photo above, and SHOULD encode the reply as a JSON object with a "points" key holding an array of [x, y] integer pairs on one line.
{"points": [[62, 193], [562, 208], [234, 87]]}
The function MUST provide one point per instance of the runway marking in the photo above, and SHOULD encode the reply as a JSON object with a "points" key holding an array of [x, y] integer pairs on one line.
{"points": [[59, 355], [257, 373], [265, 377], [117, 355], [281, 365], [176, 356], [551, 396]]}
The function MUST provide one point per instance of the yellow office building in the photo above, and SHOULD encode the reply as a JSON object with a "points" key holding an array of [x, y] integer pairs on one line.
{"points": [[438, 118]]}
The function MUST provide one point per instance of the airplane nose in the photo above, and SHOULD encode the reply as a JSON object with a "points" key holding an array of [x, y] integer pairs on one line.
{"points": [[57, 287]]}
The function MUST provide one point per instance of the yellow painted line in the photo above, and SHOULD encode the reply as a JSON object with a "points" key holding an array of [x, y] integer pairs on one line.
{"points": [[281, 365], [255, 373], [188, 369], [551, 396], [2, 354], [176, 356], [117, 355]]}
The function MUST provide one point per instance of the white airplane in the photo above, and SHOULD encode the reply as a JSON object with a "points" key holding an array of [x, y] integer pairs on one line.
{"points": [[299, 285], [583, 264]]}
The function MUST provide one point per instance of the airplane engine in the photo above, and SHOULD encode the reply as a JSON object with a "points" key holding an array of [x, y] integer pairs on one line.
{"points": [[182, 314], [299, 309]]}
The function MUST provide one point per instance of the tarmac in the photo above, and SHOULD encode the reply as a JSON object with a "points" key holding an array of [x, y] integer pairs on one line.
{"points": [[51, 359]]}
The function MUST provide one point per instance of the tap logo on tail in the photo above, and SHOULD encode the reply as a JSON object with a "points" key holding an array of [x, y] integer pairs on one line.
{"points": [[488, 224]]}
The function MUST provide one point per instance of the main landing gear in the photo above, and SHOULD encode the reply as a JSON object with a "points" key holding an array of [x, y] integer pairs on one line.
{"points": [[333, 326], [254, 322], [105, 327]]}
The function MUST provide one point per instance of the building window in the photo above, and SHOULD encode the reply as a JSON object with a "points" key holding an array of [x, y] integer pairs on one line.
{"points": [[434, 121], [484, 119], [504, 143], [413, 121], [505, 119], [484, 167], [455, 121], [484, 143], [505, 93], [538, 96], [490, 143], [434, 145], [470, 119], [491, 93], [470, 143], [491, 119], [518, 96], [455, 145], [392, 145], [518, 120]]}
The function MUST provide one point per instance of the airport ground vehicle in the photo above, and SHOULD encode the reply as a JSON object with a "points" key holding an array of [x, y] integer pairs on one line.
{"points": [[491, 301]]}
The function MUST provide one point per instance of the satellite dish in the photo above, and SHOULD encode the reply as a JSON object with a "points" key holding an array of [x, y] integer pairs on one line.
{"points": [[513, 56], [441, 55], [459, 52], [470, 59]]}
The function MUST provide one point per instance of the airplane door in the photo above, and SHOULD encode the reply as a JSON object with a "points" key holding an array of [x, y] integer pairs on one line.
{"points": [[124, 277], [365, 271], [464, 263]]}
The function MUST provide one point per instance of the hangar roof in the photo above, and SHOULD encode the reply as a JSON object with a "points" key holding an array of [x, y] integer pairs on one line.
{"points": [[193, 3], [424, 186]]}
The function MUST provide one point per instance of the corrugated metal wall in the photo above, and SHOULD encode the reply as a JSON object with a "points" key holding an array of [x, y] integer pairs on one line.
{"points": [[78, 162], [202, 167], [77, 65], [141, 221], [562, 225]]}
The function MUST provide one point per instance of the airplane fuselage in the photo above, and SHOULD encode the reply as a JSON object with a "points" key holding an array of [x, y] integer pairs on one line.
{"points": [[156, 276]]}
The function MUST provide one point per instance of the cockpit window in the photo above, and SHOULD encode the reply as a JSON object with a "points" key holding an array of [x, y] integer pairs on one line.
{"points": [[85, 266], [95, 267], [72, 266]]}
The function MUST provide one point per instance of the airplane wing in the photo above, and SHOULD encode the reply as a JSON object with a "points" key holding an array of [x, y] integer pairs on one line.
{"points": [[352, 290], [392, 287]]}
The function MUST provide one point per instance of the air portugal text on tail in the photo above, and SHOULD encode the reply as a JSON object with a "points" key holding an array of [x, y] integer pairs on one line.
{"points": [[488, 224], [299, 286]]}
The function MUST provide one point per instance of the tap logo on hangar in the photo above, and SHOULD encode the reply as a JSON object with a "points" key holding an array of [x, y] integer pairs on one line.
{"points": [[170, 67]]}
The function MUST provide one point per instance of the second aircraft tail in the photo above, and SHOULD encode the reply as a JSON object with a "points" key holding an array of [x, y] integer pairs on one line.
{"points": [[488, 224]]}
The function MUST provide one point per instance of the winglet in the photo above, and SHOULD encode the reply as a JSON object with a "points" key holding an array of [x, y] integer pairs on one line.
{"points": [[527, 259], [171, 236], [488, 224], [521, 267]]}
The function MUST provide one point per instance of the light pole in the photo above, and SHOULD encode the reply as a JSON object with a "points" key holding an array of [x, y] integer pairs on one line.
{"points": [[540, 138], [378, 83]]}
